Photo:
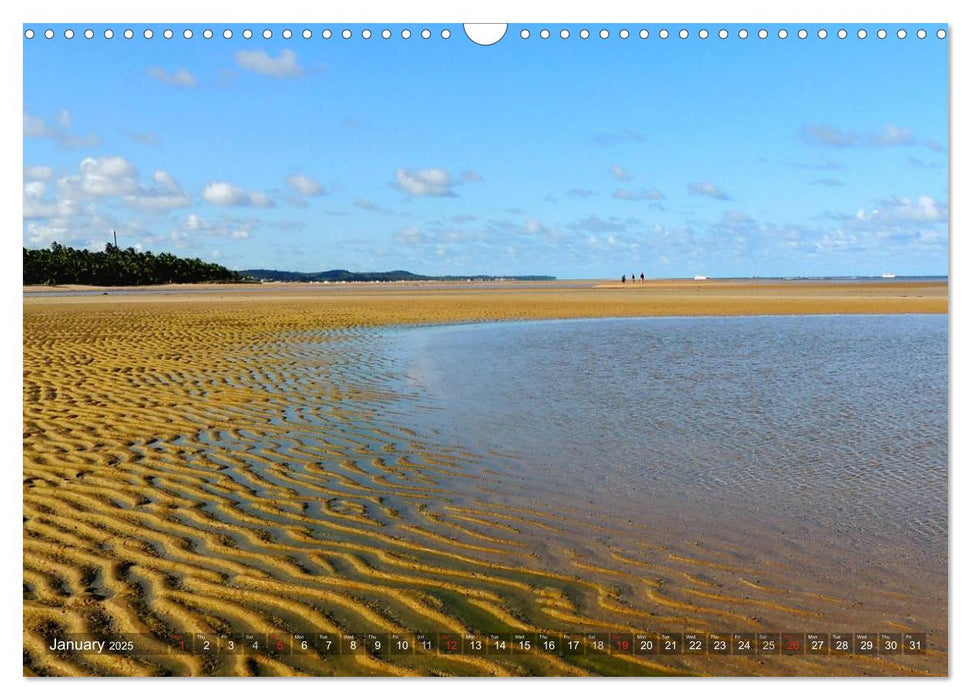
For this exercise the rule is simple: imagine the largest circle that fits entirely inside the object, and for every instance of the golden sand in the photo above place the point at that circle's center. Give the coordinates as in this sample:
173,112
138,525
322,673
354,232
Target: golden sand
182,473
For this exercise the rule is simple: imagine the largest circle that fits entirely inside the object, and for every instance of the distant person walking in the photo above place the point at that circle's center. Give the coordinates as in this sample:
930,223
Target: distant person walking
623,279
642,278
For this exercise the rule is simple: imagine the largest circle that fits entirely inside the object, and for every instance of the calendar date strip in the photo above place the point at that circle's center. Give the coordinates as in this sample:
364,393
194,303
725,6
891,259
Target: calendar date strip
390,644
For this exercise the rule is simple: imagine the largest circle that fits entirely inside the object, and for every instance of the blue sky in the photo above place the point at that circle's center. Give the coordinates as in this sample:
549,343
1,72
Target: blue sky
574,158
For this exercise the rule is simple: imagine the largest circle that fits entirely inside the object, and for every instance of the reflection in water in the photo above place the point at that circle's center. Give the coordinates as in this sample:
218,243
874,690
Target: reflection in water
830,422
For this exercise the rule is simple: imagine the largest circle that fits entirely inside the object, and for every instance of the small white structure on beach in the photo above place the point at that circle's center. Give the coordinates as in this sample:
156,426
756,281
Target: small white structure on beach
699,278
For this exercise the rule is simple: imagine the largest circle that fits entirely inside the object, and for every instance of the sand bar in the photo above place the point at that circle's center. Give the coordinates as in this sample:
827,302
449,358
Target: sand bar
181,472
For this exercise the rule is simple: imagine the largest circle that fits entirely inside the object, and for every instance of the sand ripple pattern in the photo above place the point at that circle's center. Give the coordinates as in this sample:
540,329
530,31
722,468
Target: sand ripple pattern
236,467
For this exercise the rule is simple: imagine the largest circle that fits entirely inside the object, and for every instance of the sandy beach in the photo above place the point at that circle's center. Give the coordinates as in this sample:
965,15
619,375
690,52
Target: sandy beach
216,459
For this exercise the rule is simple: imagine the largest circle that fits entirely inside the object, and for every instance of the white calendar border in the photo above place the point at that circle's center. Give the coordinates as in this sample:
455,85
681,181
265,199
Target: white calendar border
605,11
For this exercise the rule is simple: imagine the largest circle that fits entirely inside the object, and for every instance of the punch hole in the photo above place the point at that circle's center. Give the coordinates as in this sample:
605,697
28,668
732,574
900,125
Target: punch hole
426,34
247,33
287,34
267,34
524,34
129,34
584,33
821,34
346,34
207,34
803,33
326,34
841,33
663,33
405,33
743,33
109,33
644,34
306,33
722,33
941,34
683,34
921,33
148,34
68,33
227,34
604,34
29,34
446,33
763,34
564,33
783,33
187,34
901,33
861,33
168,34
544,34
881,34
89,34
489,34
49,34
366,34
624,33
702,33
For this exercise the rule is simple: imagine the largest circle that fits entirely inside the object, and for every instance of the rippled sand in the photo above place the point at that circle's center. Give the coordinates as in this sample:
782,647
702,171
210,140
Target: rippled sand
227,461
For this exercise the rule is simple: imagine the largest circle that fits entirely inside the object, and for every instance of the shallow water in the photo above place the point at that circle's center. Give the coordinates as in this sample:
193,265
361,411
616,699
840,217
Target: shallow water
832,425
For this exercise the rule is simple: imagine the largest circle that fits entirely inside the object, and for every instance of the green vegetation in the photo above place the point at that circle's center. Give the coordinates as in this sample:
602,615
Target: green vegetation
61,264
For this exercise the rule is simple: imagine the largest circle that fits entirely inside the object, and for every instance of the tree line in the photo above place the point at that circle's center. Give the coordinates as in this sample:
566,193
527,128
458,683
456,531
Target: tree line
115,266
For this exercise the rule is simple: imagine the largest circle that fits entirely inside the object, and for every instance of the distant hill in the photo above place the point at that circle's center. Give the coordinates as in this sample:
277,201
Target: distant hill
390,276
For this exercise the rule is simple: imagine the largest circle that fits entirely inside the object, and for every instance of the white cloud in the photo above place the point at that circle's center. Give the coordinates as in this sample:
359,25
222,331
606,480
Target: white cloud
902,210
34,189
38,172
431,182
146,138
889,135
408,236
641,195
194,222
260,199
618,172
113,176
108,176
227,227
68,210
534,227
580,193
57,129
284,66
68,222
166,194
37,128
36,206
178,78
226,194
707,189
305,185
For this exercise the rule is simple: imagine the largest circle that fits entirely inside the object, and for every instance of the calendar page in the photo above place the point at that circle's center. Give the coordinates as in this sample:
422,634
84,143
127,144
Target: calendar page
527,349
